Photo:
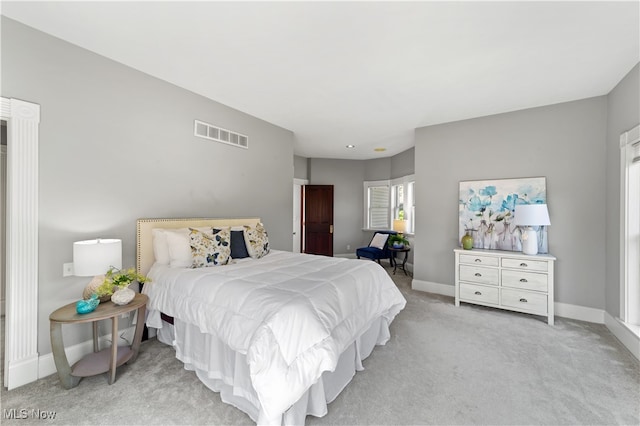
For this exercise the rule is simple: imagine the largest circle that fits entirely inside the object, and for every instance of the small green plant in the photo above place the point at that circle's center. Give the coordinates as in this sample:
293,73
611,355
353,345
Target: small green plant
117,279
397,239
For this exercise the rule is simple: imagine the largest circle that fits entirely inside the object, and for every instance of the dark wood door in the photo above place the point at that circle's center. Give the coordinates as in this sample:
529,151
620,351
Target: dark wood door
318,219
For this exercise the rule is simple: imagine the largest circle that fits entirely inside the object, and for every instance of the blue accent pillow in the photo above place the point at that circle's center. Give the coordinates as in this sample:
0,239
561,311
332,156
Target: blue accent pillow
238,247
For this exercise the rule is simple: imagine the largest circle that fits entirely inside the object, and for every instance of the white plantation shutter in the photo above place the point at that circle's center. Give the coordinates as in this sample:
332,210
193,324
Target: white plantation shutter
379,207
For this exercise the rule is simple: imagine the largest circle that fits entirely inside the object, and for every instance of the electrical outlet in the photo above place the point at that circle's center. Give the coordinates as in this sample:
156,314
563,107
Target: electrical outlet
348,246
67,269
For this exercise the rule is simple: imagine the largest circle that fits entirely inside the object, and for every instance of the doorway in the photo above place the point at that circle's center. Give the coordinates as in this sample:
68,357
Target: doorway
318,219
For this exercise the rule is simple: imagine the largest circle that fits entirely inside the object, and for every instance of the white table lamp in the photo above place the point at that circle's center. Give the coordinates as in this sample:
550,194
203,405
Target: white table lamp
400,226
94,258
528,216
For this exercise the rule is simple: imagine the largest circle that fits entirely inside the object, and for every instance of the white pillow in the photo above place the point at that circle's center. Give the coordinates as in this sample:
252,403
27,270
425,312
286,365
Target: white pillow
379,240
179,247
160,247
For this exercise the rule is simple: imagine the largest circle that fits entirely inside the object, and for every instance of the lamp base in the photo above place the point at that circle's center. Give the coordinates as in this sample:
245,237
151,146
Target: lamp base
93,286
529,241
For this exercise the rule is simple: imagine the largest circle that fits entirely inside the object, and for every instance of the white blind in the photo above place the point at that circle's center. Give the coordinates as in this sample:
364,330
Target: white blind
635,152
379,207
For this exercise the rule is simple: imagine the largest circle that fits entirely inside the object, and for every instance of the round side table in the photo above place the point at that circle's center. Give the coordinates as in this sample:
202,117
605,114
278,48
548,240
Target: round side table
100,361
395,252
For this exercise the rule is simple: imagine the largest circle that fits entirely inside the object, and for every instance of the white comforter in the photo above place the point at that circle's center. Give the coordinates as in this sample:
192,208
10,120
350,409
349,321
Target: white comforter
290,314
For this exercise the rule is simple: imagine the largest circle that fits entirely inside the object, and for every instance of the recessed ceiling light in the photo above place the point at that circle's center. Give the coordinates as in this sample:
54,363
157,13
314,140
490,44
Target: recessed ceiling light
379,149
351,146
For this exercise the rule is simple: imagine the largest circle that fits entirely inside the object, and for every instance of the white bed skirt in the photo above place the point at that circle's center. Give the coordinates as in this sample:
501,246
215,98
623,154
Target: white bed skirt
227,372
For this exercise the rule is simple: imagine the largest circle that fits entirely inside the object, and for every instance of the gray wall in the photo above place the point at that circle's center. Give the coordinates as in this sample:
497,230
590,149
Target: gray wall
403,164
117,145
300,167
377,169
623,113
565,143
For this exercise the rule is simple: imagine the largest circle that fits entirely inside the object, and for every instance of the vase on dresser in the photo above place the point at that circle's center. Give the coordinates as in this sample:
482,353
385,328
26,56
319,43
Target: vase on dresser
467,241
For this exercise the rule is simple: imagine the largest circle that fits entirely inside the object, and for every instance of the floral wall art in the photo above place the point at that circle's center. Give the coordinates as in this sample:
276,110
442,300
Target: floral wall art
486,209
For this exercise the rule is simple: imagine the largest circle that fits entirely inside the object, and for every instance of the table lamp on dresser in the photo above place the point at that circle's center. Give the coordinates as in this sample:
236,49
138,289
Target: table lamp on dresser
529,216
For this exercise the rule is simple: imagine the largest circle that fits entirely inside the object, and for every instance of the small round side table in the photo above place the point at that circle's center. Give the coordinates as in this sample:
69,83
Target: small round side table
100,361
395,252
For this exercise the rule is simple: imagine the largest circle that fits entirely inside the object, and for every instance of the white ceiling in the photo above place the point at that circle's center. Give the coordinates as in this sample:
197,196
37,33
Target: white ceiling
362,73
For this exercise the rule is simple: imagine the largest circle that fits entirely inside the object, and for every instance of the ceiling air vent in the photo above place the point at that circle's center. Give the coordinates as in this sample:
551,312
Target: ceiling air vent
209,131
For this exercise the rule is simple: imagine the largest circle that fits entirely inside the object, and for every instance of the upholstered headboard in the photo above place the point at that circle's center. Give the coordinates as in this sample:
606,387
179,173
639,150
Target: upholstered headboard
144,234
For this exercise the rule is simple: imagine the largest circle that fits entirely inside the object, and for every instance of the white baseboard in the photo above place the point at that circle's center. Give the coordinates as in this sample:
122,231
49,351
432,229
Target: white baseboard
582,313
431,287
564,310
629,339
47,366
22,372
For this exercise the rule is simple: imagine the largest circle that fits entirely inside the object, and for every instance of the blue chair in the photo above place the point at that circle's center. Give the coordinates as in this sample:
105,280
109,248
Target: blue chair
377,248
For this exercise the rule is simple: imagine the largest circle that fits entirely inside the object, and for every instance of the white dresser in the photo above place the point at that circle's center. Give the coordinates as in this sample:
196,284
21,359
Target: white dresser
506,280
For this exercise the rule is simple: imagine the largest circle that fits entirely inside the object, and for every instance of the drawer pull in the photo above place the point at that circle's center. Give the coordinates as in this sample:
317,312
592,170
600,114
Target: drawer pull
478,293
478,260
523,280
523,300
524,265
478,274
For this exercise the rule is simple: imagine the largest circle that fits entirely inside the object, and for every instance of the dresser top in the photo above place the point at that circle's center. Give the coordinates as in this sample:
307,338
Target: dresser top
514,254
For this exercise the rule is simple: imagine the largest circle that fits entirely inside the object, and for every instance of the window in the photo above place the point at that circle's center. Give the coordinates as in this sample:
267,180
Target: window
377,204
389,200
397,201
411,207
630,229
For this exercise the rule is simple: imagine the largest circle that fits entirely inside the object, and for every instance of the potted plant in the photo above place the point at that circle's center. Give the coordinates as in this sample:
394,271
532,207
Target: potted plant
397,241
116,285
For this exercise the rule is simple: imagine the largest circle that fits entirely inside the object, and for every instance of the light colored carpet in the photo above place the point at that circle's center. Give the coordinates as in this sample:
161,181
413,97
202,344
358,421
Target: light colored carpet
443,365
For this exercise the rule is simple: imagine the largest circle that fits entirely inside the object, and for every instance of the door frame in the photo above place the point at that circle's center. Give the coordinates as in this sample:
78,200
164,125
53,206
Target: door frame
21,317
297,225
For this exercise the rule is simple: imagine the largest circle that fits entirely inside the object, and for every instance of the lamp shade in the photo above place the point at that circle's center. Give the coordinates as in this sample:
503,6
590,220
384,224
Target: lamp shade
400,225
531,215
95,257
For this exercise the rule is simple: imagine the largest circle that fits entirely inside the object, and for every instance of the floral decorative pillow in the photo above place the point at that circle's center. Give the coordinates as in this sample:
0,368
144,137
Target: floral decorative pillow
257,240
210,249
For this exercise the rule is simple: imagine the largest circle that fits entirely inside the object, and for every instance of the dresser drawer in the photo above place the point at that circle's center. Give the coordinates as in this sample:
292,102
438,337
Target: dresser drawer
479,260
525,280
479,293
531,265
532,302
477,274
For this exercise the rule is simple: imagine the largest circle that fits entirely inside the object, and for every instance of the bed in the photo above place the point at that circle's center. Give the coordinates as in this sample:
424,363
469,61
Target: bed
279,335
